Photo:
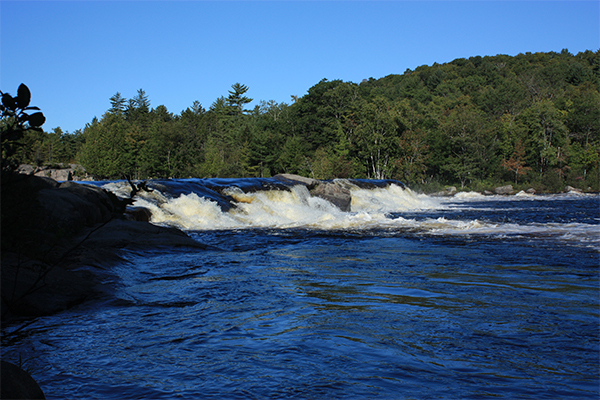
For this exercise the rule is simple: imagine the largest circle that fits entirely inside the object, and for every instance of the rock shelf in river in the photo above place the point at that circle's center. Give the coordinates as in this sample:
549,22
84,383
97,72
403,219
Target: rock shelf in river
59,240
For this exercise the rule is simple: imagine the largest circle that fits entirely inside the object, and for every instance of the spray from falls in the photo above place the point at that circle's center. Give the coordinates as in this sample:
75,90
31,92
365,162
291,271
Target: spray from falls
199,205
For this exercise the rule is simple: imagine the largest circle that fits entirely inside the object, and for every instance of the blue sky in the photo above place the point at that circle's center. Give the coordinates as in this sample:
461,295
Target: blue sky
74,55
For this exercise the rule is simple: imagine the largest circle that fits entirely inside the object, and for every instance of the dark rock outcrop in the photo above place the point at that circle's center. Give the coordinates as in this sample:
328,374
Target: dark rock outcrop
138,214
72,206
58,242
18,384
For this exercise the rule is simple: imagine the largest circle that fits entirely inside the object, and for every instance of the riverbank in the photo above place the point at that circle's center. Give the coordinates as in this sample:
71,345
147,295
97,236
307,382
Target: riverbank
76,172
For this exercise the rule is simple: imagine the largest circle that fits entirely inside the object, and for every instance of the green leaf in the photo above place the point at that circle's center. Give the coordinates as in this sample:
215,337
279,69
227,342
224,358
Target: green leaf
23,96
36,119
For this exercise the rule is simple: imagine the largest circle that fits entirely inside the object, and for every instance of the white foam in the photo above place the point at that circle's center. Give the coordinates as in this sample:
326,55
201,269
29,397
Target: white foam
468,195
278,208
523,193
390,199
370,208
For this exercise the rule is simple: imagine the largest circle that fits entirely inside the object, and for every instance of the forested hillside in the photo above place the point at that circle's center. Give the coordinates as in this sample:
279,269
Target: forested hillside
531,119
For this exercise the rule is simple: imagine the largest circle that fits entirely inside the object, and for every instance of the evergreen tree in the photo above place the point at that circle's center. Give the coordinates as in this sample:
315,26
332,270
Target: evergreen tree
117,104
236,99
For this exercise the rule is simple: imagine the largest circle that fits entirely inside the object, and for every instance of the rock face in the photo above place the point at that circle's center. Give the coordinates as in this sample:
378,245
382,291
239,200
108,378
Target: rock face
59,241
18,384
72,206
335,194
504,190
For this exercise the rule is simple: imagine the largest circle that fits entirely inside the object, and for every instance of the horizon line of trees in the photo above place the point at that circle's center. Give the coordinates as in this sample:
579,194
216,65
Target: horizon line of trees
531,119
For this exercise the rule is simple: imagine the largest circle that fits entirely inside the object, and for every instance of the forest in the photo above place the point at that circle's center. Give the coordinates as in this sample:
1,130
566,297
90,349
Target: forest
530,120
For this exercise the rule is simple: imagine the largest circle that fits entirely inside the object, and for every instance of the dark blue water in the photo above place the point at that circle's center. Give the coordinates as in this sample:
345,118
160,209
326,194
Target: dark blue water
472,298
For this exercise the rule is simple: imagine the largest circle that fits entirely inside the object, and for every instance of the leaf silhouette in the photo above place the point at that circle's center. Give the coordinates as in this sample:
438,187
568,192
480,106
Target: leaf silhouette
9,102
36,119
23,96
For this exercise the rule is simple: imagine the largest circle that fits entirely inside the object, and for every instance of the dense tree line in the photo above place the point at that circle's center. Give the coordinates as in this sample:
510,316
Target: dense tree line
531,119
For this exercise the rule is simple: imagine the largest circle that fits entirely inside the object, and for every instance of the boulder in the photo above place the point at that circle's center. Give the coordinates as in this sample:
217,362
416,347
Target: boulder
18,384
333,193
308,182
530,191
62,175
56,174
572,189
504,190
26,169
138,214
447,192
450,190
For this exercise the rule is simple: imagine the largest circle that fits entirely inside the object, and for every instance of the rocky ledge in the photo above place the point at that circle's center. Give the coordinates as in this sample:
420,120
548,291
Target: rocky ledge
59,240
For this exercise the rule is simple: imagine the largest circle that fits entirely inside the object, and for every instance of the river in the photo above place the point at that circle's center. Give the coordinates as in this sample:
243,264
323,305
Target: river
404,297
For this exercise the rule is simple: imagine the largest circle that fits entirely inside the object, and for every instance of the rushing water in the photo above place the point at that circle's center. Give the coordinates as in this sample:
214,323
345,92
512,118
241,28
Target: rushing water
404,297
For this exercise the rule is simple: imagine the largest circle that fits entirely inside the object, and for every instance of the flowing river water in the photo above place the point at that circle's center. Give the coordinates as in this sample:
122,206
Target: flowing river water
404,297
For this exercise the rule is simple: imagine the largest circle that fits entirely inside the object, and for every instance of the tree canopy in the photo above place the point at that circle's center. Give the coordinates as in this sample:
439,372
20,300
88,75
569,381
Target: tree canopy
531,119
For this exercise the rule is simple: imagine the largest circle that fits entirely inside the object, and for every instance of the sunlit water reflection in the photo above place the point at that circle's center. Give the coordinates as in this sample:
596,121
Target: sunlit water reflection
399,310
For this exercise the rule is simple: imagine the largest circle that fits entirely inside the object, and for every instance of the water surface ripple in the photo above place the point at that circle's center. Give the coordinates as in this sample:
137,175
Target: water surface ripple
387,312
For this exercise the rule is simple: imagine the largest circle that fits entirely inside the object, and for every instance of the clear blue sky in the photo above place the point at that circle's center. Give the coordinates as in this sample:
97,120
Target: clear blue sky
74,55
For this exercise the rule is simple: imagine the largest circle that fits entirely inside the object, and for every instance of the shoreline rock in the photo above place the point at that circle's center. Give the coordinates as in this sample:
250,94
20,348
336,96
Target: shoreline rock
60,241
504,190
449,191
58,172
